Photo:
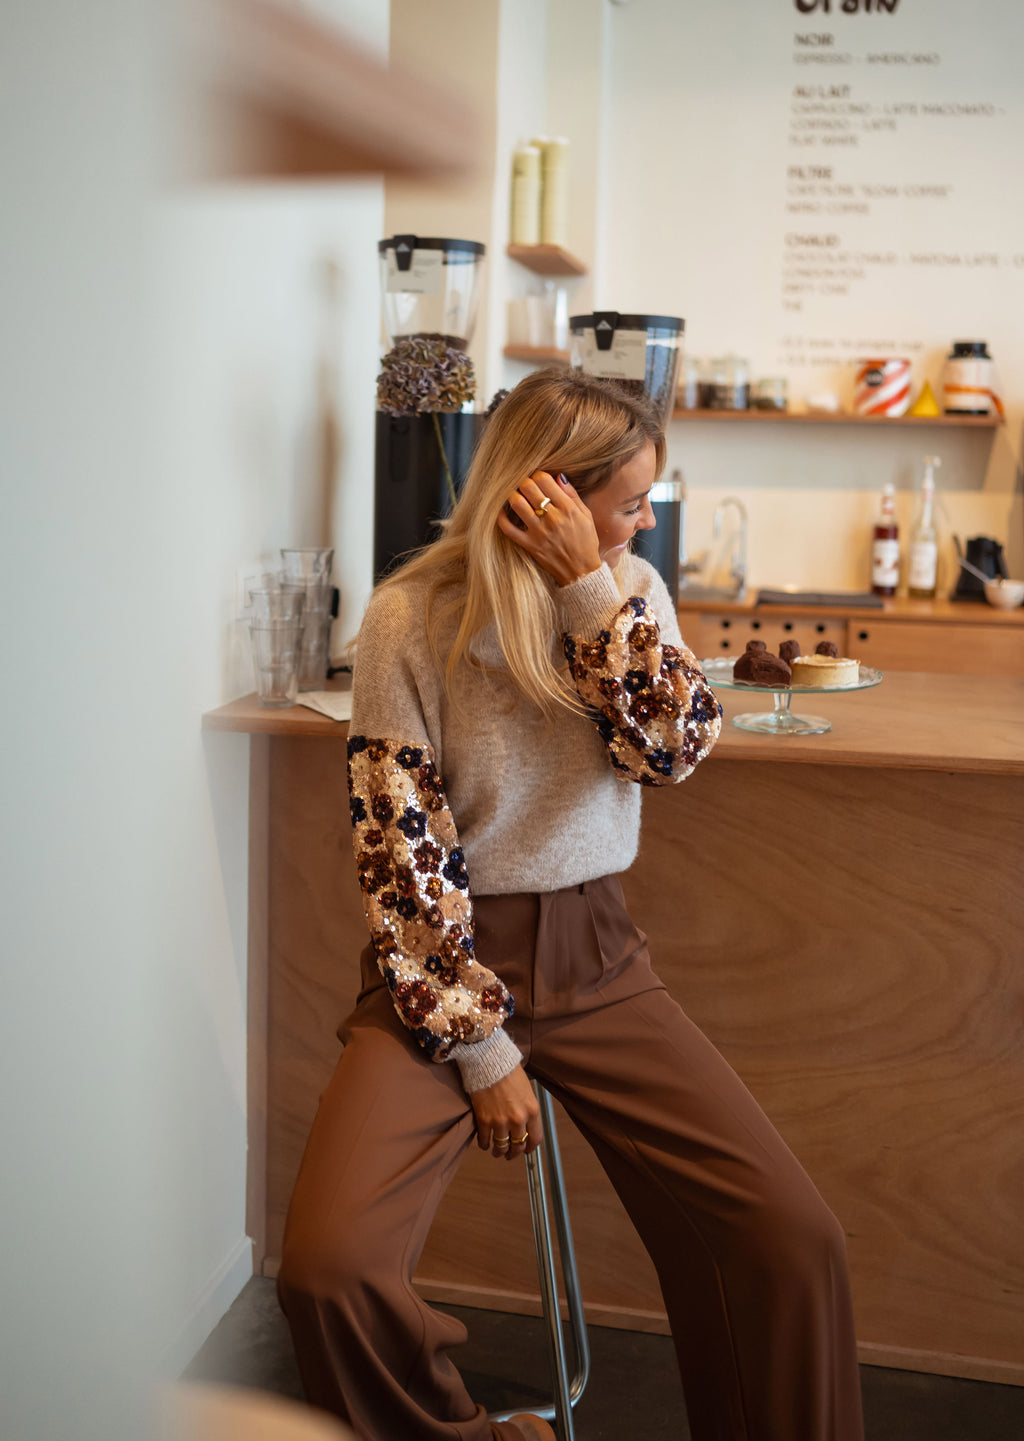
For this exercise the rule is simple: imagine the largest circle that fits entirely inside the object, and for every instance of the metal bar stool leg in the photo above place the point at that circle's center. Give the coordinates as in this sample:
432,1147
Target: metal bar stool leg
544,1172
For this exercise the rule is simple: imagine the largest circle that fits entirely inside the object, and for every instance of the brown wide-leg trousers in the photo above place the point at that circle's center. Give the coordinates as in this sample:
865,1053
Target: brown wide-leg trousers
751,1262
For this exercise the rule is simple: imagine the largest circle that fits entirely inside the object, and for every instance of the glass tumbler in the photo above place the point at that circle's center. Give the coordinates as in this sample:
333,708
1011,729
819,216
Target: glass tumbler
285,602
308,563
315,657
276,654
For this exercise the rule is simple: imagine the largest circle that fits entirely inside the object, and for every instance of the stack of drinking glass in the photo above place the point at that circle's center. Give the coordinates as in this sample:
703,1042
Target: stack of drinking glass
291,626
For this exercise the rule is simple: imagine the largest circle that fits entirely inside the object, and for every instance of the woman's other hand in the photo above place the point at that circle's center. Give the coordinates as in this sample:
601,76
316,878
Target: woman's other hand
508,1117
557,528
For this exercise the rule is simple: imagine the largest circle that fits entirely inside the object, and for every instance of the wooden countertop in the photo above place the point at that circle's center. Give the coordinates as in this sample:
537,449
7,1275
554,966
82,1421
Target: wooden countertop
909,722
900,608
912,721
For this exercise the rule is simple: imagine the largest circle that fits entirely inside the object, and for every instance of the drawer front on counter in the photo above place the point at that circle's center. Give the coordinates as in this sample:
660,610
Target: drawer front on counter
943,649
712,635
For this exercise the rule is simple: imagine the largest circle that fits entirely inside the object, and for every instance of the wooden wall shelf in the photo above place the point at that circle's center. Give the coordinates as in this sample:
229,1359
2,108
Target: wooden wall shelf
776,417
536,354
546,259
279,94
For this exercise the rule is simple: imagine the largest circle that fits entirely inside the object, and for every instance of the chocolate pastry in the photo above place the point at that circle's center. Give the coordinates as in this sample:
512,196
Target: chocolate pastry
789,650
826,647
770,670
757,664
741,670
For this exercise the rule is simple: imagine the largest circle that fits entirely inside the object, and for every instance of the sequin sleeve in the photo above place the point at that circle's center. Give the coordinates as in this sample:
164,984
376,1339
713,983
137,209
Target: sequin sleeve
653,707
416,896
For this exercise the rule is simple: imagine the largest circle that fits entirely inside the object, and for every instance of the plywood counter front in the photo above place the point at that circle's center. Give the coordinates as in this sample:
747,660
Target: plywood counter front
842,914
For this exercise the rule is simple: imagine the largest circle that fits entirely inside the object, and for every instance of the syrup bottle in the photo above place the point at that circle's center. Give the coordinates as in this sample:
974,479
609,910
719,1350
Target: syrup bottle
924,551
885,548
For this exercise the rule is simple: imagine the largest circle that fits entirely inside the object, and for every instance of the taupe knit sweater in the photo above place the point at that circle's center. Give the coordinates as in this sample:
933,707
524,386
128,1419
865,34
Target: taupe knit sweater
476,792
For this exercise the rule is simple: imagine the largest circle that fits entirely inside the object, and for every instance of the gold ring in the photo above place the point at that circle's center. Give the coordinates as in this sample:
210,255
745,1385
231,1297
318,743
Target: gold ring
519,1140
502,1143
539,510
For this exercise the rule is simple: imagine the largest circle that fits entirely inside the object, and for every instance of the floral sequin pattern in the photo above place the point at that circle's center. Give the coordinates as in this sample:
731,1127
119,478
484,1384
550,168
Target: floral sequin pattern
651,703
415,886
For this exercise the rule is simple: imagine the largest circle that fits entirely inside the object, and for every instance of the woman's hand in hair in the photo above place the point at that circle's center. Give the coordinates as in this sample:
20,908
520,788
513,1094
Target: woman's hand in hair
562,538
507,1117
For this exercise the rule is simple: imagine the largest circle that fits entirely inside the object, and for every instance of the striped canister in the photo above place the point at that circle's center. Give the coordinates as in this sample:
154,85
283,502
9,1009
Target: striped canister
883,387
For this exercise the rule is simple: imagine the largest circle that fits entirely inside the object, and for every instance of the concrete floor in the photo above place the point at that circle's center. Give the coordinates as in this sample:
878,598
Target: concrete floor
634,1392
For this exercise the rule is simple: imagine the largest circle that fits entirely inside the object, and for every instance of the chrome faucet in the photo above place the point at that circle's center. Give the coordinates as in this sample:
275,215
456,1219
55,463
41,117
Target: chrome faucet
738,573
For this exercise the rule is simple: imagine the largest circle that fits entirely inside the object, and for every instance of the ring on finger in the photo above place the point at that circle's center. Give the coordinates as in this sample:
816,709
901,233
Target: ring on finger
519,1140
502,1143
539,510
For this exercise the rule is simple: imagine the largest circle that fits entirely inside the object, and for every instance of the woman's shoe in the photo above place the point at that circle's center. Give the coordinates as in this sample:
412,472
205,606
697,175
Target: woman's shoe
534,1428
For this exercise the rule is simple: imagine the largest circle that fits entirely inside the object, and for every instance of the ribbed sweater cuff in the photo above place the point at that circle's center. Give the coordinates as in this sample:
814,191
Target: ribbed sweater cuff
589,604
485,1063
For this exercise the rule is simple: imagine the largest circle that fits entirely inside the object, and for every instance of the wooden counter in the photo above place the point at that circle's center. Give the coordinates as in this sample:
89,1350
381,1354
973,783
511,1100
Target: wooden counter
851,907
910,721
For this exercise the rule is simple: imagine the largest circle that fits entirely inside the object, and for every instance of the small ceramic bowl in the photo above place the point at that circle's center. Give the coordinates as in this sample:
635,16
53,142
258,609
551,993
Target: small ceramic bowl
1006,594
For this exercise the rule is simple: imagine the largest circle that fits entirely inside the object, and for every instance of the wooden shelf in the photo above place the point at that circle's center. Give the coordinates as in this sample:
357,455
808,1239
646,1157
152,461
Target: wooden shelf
274,93
546,259
776,417
536,354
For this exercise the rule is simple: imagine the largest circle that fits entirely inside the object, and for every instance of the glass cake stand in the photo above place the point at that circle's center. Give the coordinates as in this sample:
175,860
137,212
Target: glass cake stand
781,721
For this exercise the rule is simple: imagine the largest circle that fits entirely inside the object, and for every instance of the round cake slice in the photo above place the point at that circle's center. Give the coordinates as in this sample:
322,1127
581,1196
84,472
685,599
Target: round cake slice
825,670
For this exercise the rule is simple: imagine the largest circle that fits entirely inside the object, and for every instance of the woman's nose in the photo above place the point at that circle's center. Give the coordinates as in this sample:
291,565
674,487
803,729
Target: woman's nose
646,520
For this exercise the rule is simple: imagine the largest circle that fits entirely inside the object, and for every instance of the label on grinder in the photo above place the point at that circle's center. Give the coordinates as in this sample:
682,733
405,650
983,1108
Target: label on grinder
423,277
626,360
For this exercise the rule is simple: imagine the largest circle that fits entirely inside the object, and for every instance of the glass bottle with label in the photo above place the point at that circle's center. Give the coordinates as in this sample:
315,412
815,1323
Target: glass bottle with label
924,550
885,548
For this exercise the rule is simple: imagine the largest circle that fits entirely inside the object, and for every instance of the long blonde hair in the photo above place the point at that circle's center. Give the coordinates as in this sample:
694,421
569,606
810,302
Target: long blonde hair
556,420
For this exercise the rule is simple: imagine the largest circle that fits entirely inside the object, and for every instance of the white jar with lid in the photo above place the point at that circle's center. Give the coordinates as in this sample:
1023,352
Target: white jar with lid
967,380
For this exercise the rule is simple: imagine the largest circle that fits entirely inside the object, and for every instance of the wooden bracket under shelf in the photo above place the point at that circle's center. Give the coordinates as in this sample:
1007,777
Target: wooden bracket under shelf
546,259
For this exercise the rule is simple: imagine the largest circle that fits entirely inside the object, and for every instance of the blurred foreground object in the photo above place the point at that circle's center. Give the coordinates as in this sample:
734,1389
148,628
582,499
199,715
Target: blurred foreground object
224,1413
266,92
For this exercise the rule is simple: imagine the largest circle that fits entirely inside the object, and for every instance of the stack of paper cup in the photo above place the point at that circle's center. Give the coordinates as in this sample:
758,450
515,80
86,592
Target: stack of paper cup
524,227
554,205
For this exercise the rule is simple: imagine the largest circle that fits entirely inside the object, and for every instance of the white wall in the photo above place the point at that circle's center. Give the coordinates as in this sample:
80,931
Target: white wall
698,105
164,356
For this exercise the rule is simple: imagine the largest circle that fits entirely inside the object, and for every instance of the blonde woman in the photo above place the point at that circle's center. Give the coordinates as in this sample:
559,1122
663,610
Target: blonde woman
516,684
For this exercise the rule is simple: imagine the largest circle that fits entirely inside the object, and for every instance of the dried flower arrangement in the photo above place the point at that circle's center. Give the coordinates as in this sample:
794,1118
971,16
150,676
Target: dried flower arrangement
421,375
496,399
